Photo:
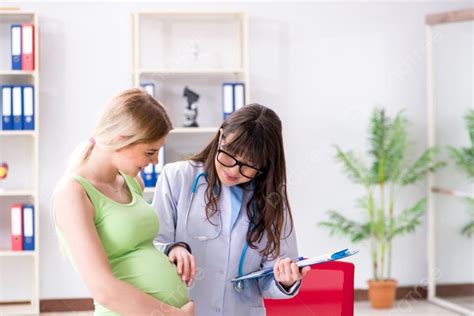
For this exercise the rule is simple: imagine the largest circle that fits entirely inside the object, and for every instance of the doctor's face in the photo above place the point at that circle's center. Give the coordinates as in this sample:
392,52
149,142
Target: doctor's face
232,169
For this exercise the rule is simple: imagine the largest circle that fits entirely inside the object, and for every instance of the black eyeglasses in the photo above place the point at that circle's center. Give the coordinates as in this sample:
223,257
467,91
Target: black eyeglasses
227,160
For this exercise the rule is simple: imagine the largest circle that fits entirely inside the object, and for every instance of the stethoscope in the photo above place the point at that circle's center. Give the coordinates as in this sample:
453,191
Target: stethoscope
239,285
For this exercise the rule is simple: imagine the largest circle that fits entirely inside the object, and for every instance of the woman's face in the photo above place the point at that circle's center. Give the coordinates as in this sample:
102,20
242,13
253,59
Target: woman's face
134,158
231,176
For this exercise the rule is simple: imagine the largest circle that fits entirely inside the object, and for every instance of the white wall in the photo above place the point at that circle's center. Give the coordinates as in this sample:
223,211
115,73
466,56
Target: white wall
321,66
453,82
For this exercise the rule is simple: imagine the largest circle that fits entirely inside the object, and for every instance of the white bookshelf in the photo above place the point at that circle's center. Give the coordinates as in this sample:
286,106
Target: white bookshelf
187,72
17,73
18,133
149,190
20,150
200,50
194,130
26,193
9,253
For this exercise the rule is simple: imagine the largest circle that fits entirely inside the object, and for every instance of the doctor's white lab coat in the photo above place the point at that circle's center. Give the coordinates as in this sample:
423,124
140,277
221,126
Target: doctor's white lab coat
217,260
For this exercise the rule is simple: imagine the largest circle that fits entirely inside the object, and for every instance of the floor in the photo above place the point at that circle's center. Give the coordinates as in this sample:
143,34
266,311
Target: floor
402,308
465,301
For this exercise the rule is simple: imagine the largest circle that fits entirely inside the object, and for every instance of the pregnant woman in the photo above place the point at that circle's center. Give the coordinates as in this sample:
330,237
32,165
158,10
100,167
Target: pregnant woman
105,225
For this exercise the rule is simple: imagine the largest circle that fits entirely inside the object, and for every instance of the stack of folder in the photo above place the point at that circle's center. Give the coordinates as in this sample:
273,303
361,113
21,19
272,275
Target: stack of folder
23,46
233,97
22,227
17,111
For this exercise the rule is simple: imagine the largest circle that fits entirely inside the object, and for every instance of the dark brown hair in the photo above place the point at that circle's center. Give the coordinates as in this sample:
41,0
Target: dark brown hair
256,137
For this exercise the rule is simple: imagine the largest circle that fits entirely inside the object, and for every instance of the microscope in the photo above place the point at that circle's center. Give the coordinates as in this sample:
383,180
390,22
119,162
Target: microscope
191,111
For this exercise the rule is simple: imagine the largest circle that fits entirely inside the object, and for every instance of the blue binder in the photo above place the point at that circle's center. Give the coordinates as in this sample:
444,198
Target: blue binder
150,88
6,108
28,227
16,46
233,97
28,107
227,99
239,95
149,176
17,107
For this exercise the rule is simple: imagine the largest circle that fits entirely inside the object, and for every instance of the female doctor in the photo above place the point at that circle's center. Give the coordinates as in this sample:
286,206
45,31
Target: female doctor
229,205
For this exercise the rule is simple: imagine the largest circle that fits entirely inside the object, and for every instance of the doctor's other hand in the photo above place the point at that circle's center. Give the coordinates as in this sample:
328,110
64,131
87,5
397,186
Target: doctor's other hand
287,273
185,264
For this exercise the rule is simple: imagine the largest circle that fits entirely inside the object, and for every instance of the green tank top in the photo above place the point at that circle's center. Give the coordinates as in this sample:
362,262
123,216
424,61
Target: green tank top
127,232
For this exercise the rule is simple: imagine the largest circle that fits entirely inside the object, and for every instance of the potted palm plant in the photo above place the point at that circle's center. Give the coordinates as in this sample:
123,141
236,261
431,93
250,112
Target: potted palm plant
389,170
464,159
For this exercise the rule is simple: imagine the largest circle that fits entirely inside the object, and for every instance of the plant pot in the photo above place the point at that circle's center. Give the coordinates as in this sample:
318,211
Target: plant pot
382,293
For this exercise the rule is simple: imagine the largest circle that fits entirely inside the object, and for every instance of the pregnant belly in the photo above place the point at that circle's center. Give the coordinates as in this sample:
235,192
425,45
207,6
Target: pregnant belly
150,271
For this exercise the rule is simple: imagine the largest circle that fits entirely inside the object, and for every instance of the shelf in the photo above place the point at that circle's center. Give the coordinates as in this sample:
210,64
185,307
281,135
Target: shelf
175,72
17,73
212,14
15,16
149,190
10,253
18,133
16,12
17,193
21,308
194,130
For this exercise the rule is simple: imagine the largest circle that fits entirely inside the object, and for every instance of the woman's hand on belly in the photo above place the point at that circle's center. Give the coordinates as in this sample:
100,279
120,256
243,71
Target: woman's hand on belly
185,264
188,309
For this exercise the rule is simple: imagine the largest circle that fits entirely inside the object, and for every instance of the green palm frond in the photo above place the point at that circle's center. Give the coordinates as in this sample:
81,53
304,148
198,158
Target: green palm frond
420,168
468,229
469,118
353,167
407,220
464,159
397,147
379,127
388,149
340,225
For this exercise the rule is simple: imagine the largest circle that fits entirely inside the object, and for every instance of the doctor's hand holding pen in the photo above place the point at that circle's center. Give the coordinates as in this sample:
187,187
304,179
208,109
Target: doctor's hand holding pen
185,263
287,272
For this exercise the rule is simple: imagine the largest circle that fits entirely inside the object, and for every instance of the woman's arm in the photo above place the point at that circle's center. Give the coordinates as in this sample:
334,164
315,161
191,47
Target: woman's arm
74,214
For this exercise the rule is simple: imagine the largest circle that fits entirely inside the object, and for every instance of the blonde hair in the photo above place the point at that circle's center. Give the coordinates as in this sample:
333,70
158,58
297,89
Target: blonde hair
134,115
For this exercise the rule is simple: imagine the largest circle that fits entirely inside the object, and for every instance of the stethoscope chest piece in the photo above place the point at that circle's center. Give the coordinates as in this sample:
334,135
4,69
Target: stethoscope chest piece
239,286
